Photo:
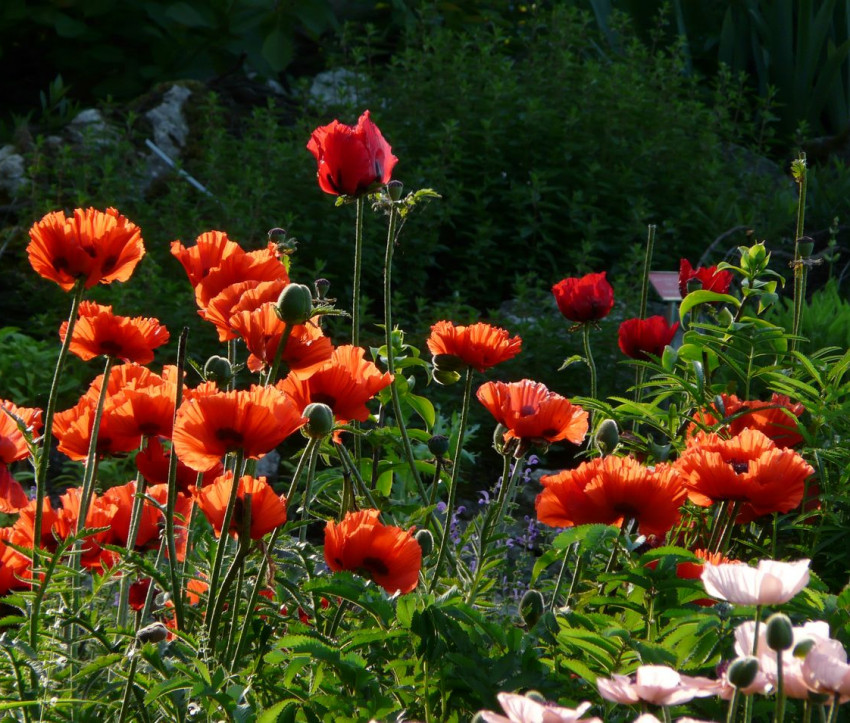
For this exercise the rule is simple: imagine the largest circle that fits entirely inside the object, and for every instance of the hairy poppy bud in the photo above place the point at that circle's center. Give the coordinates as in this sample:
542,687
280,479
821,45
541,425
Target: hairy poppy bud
153,633
394,189
607,436
531,607
499,438
742,672
320,420
425,540
218,370
780,633
322,286
445,378
438,445
295,304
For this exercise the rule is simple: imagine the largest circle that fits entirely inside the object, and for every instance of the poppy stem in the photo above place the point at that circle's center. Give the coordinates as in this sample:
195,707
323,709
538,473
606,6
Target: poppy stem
730,525
358,254
392,233
221,594
588,357
647,264
801,176
278,355
128,688
308,487
132,536
717,527
91,459
452,499
348,463
756,631
171,499
560,581
43,460
779,714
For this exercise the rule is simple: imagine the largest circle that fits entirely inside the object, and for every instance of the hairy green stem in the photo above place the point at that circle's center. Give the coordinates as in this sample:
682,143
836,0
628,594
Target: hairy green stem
588,356
358,261
453,481
799,262
647,263
308,490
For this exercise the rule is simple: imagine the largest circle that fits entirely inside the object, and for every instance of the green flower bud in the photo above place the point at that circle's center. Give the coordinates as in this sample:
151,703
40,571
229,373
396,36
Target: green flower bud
607,436
801,649
537,696
499,438
425,540
153,633
448,363
295,304
218,370
394,189
322,286
531,607
320,420
438,445
446,378
780,632
742,672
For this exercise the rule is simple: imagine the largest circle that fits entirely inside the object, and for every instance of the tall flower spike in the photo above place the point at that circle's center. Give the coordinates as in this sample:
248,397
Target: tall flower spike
351,160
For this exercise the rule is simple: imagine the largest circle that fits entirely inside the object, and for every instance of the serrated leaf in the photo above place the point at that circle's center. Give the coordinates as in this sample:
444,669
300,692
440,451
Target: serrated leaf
569,361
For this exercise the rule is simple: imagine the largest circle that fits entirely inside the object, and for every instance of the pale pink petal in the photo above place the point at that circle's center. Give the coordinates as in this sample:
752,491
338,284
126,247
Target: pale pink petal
522,709
646,718
825,668
782,580
617,689
772,583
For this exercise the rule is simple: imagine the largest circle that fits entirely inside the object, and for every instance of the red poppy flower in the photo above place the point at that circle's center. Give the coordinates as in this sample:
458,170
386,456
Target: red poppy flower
147,412
210,249
748,468
775,418
610,490
268,510
708,276
352,160
262,329
261,265
100,332
139,593
12,495
152,463
480,346
99,516
13,446
13,565
531,412
361,543
99,247
255,421
641,337
589,298
73,428
244,296
345,384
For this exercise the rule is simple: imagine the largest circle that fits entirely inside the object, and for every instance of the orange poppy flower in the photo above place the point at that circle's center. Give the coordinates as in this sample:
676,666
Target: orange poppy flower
261,265
152,463
99,515
776,418
480,346
12,495
210,249
255,421
146,411
361,543
268,510
99,247
345,384
748,468
262,329
73,428
100,332
13,446
610,490
531,412
13,565
23,531
244,296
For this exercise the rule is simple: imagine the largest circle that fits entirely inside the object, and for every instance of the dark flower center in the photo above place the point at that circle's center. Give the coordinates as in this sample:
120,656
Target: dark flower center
322,398
375,565
527,410
229,436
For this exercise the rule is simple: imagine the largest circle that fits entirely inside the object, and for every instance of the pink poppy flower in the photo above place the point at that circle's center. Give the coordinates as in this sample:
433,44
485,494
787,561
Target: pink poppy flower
825,669
771,583
656,684
522,709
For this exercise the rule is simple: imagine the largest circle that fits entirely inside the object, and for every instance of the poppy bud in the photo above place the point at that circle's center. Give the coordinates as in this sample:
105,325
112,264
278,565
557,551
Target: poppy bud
801,649
438,445
537,696
425,540
153,633
448,363
499,438
607,437
218,370
780,633
742,672
394,189
445,378
320,420
277,234
531,607
295,304
322,286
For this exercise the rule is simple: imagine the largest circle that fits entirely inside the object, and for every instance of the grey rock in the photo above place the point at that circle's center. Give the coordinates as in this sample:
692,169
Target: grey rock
169,127
12,170
338,87
89,125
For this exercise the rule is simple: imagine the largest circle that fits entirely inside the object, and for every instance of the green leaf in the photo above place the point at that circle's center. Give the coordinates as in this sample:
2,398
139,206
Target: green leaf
423,408
704,297
277,50
188,15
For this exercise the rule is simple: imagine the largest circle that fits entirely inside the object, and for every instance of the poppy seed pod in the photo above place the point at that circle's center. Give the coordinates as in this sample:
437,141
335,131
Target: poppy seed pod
742,672
425,540
295,304
607,437
218,370
438,445
153,633
322,287
531,607
780,632
394,190
320,420
801,649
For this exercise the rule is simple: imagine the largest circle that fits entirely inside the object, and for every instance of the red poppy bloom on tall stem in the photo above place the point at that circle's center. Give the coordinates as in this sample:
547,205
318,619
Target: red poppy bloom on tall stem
352,160
210,249
479,346
638,338
13,446
361,543
267,509
585,298
98,247
709,278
